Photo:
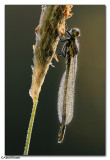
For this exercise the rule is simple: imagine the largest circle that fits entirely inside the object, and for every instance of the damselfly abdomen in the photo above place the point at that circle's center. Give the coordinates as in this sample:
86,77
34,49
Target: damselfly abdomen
70,51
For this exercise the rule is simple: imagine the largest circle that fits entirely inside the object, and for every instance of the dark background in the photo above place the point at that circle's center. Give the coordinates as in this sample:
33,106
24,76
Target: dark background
85,135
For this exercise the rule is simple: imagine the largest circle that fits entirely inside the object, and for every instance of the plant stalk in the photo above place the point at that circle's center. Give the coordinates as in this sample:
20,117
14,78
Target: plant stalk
27,144
51,26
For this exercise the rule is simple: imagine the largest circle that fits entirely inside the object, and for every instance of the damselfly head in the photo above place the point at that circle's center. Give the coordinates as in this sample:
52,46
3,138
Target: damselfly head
75,32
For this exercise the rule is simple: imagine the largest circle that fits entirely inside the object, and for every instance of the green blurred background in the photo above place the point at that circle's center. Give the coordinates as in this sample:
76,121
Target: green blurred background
85,135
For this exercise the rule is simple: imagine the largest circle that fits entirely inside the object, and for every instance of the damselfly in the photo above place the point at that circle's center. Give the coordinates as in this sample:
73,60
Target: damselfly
70,51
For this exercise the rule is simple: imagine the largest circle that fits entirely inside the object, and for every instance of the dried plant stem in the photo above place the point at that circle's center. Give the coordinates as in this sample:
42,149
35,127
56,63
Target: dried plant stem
51,25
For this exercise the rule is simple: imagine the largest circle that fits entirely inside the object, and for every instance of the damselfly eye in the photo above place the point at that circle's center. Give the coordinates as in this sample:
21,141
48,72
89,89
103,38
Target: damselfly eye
77,33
